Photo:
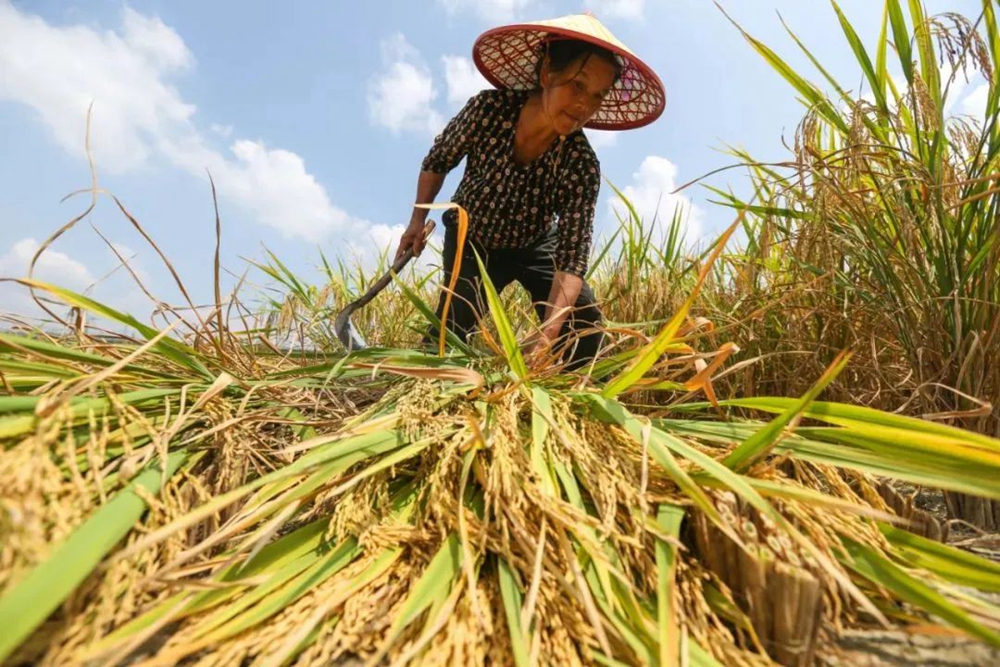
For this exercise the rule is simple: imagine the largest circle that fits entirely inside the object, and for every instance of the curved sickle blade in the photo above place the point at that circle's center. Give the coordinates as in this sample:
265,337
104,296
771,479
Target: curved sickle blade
347,334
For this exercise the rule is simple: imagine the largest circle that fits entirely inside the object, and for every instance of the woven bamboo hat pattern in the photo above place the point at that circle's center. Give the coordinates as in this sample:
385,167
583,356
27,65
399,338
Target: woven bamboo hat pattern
508,57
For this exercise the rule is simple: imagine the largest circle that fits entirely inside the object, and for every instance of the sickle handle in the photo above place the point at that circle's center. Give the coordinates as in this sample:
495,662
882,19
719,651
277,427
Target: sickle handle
397,266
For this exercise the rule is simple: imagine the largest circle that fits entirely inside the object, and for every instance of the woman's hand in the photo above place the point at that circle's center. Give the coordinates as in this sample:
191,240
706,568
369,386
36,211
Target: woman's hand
537,349
413,238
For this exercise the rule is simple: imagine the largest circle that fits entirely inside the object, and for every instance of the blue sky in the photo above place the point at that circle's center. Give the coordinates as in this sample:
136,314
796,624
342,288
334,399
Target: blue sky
313,118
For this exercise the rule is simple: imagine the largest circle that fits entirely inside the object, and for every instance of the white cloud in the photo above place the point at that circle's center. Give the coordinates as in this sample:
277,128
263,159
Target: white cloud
60,269
224,131
379,239
400,97
463,79
149,37
622,9
601,138
58,71
974,103
52,266
650,194
491,10
139,116
957,82
273,183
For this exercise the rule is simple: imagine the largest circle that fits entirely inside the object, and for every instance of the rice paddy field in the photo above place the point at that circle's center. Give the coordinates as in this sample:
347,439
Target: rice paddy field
787,452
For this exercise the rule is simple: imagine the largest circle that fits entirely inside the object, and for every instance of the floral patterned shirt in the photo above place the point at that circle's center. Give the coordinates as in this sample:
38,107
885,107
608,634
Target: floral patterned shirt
512,205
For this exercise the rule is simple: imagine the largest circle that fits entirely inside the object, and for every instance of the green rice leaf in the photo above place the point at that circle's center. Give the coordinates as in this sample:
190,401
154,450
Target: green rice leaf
952,564
504,328
853,416
759,444
178,352
929,69
811,95
614,412
659,441
877,85
433,585
511,595
699,657
541,417
334,449
881,54
297,640
901,38
272,558
29,602
877,569
431,317
669,518
649,355
55,351
285,587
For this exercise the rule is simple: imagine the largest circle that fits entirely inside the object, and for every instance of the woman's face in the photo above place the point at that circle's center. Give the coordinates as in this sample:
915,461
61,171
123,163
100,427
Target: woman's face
573,95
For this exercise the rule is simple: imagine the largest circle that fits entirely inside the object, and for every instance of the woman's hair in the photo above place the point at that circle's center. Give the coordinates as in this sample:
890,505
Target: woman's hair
563,52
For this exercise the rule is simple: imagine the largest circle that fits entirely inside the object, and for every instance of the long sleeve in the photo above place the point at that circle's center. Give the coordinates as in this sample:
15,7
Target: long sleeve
455,140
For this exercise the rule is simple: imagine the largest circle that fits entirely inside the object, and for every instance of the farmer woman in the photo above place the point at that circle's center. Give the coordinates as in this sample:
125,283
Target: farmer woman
531,177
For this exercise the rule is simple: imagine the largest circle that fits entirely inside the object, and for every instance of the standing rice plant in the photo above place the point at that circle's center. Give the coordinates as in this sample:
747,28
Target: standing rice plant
650,252
887,221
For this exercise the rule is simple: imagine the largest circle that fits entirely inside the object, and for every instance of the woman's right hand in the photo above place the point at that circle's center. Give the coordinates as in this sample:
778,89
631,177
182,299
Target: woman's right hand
413,238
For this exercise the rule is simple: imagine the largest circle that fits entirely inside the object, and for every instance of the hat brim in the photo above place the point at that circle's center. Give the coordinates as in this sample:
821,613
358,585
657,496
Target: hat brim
508,57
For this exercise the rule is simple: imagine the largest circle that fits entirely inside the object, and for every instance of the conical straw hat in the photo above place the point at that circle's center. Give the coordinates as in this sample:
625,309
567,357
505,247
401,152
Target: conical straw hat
508,57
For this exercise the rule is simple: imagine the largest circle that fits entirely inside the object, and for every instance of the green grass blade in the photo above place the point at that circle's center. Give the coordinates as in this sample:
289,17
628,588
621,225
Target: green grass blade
511,595
541,417
901,38
895,453
174,350
272,558
81,406
669,518
699,657
431,317
812,96
881,53
614,412
877,86
650,354
841,414
44,348
759,444
301,634
230,621
877,569
433,584
368,444
925,48
739,484
599,257
29,602
504,328
952,564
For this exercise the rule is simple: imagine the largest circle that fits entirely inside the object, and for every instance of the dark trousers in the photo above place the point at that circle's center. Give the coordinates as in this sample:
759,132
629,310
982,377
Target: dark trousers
534,268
